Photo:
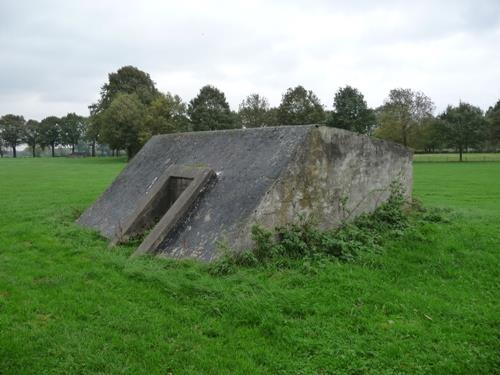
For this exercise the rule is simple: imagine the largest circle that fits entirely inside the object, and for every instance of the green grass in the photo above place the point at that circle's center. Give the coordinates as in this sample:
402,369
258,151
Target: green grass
455,157
427,305
472,188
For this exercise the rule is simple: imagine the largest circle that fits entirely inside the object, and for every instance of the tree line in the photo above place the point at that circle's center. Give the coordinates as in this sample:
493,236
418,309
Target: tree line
48,133
131,110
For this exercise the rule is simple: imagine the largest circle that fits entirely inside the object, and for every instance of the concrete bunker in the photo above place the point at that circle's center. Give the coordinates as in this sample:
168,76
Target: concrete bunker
192,191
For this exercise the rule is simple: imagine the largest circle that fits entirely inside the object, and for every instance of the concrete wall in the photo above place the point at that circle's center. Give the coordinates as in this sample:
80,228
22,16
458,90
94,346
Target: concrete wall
334,177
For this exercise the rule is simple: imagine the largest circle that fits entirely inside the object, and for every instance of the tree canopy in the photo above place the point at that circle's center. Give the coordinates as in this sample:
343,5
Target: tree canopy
128,80
254,111
12,130
72,127
493,118
131,109
124,124
464,126
131,91
166,114
403,110
300,107
32,135
351,111
209,110
50,132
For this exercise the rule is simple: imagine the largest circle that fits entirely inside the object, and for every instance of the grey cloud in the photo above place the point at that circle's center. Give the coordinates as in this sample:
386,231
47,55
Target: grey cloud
55,55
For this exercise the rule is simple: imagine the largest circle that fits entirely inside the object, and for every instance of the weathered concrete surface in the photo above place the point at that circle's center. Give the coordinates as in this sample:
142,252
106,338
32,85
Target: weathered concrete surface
164,204
201,179
334,176
265,175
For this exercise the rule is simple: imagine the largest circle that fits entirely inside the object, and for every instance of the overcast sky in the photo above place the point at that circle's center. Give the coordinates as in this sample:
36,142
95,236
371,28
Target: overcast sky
55,55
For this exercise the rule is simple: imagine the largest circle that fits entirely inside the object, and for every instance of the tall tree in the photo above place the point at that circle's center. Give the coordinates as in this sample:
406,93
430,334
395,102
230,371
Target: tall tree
430,136
123,124
351,111
32,135
50,132
404,110
464,126
493,118
141,91
12,129
126,80
72,129
254,111
166,114
209,110
93,131
299,107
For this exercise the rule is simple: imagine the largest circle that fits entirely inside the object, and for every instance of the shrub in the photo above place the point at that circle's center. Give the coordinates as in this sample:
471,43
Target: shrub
303,240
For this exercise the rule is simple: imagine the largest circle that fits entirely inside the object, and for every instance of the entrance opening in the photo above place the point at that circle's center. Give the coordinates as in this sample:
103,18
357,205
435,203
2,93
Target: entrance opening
175,187
166,200
167,196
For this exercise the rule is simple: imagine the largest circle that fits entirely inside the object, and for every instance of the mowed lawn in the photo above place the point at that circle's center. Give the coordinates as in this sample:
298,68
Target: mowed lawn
428,304
454,157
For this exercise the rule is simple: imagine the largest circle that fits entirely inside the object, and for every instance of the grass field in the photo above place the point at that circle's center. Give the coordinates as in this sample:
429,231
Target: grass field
455,157
69,305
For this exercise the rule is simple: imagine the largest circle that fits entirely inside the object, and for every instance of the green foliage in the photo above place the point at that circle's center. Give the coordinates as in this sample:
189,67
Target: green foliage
209,110
32,135
304,240
254,112
166,114
425,304
351,111
273,116
126,80
123,124
464,126
12,130
133,91
50,132
72,127
429,136
493,119
300,107
402,112
93,131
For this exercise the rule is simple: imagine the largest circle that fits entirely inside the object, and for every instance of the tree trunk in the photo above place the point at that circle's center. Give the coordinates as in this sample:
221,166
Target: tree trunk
113,152
129,153
52,146
33,148
73,149
460,151
93,149
14,154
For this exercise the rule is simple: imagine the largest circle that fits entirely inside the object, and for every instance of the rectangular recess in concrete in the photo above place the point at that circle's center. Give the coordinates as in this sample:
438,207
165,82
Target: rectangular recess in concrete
160,196
179,187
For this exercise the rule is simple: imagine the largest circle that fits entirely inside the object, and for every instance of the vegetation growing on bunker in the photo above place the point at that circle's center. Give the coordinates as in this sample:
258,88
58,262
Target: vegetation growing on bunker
303,241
